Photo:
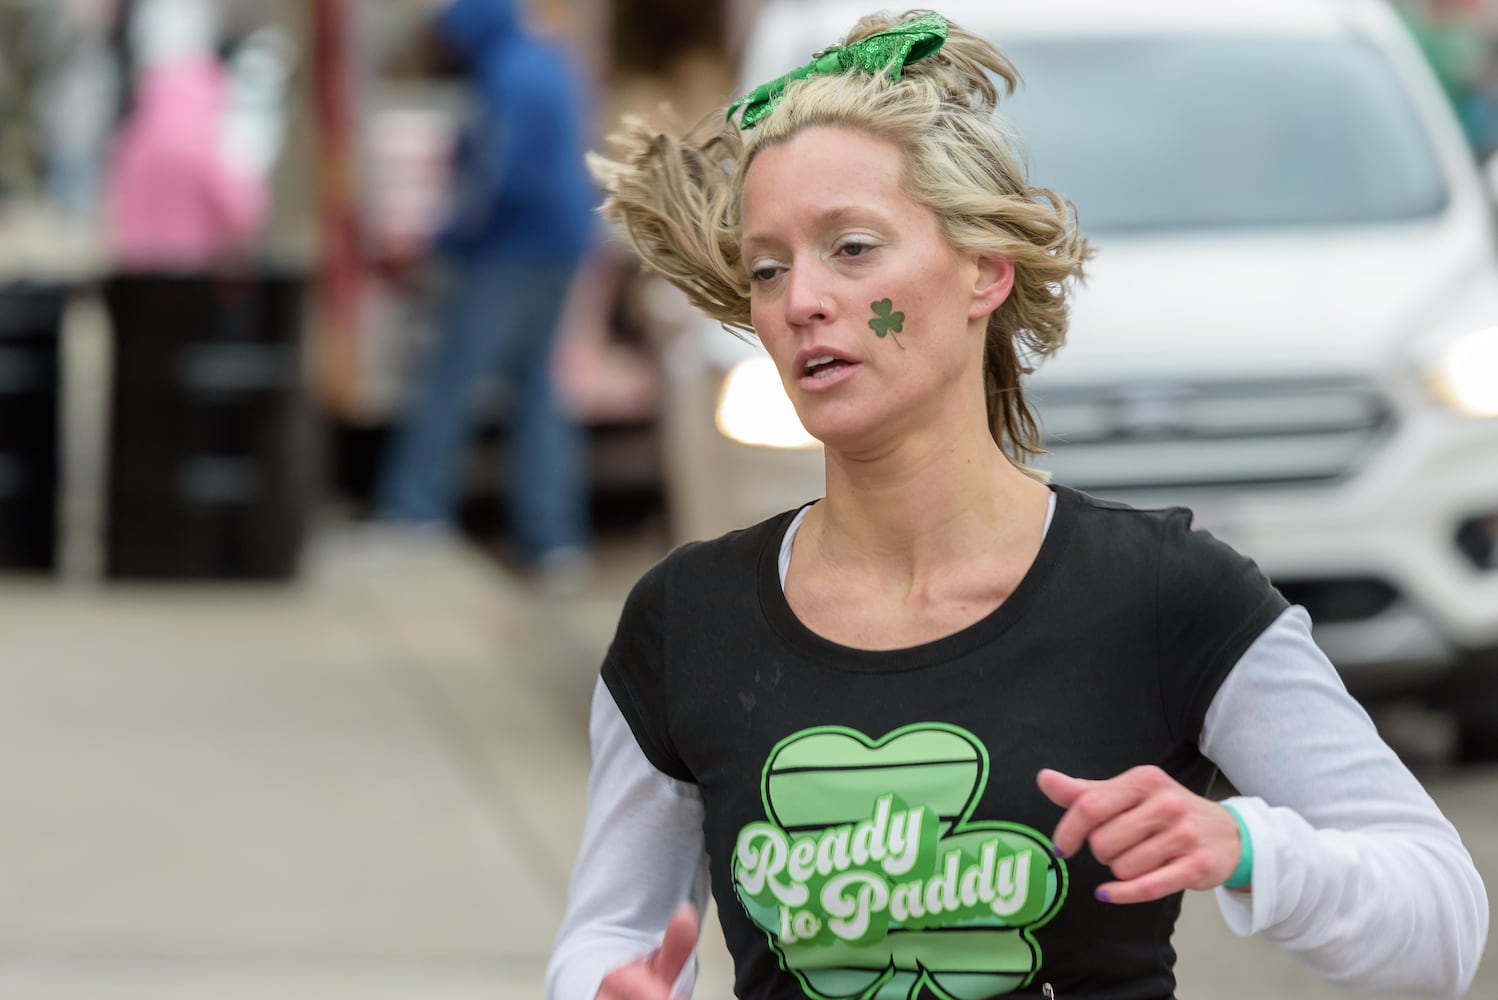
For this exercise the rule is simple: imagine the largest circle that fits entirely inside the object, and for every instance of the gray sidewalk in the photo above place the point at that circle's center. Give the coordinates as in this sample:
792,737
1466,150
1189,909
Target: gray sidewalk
368,785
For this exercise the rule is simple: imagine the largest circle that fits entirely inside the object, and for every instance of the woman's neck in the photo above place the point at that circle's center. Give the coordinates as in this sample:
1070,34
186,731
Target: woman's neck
921,510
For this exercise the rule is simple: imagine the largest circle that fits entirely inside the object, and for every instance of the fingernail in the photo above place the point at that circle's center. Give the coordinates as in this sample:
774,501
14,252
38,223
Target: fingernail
1101,895
1057,851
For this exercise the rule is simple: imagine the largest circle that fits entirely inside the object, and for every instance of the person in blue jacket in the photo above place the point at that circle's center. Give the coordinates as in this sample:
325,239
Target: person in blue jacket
519,226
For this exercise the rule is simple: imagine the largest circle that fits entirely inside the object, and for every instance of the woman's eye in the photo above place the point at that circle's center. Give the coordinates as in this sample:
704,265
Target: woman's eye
855,248
762,274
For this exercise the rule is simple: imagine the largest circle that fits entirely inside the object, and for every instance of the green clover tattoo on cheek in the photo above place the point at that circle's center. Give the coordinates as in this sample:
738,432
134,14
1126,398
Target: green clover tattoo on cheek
886,321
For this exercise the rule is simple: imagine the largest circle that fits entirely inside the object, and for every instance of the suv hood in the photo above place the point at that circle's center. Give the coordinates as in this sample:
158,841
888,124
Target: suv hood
1262,305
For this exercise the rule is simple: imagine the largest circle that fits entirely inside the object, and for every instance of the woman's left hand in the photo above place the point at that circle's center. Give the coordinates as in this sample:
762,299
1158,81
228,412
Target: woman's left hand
1155,835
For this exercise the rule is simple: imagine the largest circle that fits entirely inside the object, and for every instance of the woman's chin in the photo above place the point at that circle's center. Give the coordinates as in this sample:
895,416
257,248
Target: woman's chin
850,438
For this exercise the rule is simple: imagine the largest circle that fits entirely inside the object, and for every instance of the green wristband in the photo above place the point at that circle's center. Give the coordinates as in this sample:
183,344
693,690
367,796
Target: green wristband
1243,875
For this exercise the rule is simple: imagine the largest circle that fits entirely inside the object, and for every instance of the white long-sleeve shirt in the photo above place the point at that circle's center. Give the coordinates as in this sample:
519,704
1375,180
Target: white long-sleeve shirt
1356,872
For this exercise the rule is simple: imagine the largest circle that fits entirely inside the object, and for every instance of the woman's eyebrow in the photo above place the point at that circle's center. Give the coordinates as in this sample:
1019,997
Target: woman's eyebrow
834,216
753,242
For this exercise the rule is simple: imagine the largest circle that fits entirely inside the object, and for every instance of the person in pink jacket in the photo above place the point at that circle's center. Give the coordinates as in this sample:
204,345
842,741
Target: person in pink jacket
175,199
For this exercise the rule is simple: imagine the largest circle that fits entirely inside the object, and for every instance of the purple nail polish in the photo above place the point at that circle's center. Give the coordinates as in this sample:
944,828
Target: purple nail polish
1057,851
1101,895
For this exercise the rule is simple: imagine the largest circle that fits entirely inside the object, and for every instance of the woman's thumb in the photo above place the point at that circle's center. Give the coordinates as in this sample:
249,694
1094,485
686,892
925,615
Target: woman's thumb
677,946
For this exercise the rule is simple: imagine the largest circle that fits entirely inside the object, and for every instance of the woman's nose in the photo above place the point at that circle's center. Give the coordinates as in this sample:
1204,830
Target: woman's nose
806,304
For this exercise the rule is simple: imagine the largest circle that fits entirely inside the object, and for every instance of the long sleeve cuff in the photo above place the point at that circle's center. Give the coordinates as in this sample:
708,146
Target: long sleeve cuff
1326,895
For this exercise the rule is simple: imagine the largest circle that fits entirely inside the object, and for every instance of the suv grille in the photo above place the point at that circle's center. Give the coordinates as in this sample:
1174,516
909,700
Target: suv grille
1352,599
1159,435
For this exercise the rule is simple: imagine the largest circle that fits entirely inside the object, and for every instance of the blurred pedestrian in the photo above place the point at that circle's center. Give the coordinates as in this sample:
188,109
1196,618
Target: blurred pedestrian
75,93
519,225
950,730
1448,32
178,198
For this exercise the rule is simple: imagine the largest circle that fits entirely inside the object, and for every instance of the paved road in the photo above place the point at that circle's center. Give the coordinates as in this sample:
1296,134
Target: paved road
364,786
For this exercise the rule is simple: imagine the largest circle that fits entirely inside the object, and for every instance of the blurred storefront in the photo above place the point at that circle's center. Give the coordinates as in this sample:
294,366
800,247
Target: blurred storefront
123,122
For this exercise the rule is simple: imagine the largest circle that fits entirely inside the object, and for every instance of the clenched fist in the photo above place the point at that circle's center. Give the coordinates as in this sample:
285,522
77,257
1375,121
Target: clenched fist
1156,836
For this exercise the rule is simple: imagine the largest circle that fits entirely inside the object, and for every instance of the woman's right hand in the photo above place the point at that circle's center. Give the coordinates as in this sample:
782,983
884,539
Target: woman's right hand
652,977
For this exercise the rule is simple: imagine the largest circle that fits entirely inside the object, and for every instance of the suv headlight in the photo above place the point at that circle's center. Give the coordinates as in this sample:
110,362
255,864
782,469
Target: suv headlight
1465,375
753,408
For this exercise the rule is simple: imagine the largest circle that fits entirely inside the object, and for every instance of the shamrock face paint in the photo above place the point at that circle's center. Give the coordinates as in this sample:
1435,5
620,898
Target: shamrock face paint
871,880
886,321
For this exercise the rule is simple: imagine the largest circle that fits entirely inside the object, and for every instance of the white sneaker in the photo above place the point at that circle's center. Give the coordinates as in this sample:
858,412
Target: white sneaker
564,571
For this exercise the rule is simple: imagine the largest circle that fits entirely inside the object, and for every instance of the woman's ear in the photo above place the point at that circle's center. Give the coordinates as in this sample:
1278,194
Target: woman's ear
993,281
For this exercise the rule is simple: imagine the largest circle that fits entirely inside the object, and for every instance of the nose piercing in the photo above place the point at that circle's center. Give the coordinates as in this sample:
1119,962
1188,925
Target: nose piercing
820,307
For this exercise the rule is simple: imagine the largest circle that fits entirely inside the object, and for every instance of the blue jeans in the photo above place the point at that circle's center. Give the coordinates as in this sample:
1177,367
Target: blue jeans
494,320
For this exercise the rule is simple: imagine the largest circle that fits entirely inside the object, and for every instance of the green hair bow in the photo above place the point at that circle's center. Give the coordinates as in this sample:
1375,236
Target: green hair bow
906,42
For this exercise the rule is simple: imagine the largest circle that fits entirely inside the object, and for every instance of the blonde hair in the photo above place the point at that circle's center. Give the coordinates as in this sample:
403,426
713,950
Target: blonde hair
678,199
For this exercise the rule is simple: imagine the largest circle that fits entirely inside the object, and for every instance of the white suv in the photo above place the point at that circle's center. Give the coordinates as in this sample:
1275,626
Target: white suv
1291,325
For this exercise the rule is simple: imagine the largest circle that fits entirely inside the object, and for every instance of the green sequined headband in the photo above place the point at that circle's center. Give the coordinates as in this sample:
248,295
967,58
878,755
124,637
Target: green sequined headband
890,50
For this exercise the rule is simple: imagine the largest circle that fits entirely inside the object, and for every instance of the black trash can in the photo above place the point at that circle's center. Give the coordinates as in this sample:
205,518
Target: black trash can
30,338
210,460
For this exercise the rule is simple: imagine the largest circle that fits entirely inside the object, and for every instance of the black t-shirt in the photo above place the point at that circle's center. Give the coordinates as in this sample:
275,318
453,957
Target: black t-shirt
872,819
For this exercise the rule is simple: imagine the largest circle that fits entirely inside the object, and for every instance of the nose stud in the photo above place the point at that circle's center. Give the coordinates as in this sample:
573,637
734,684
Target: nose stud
821,308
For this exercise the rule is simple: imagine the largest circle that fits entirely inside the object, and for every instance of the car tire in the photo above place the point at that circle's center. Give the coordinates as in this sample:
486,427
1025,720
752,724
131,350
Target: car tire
1472,699
1477,737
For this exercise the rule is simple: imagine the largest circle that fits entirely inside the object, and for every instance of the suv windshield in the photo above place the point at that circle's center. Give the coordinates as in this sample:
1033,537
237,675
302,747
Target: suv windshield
1178,133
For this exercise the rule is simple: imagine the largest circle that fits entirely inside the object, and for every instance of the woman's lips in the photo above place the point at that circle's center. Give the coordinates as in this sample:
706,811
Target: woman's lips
824,376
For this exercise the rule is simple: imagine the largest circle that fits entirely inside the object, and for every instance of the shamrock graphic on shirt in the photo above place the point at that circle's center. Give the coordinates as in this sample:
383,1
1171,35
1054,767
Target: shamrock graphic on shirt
872,881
